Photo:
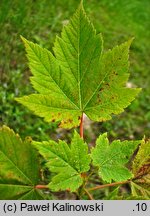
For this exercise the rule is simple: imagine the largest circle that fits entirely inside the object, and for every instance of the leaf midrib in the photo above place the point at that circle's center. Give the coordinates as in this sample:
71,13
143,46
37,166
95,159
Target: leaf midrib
86,105
52,77
61,159
113,156
26,177
79,67
17,185
57,108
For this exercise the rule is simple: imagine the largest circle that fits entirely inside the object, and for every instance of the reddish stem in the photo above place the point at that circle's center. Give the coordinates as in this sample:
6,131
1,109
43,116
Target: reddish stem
81,127
88,193
107,185
41,187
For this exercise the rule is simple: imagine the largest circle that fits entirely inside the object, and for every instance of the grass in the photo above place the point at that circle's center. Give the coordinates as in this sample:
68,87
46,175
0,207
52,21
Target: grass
41,21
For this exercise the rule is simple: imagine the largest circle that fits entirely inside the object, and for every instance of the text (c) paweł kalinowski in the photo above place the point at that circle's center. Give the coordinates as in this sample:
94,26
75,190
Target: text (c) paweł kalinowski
61,207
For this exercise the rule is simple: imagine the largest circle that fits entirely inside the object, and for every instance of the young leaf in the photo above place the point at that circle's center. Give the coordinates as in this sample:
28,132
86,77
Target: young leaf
141,163
142,190
19,171
78,78
111,159
68,162
114,195
141,170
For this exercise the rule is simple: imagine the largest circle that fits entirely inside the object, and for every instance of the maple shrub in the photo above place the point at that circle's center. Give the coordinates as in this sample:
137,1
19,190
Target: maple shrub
77,78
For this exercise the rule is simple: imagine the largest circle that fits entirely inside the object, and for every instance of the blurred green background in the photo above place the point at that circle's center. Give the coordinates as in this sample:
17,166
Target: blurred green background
40,21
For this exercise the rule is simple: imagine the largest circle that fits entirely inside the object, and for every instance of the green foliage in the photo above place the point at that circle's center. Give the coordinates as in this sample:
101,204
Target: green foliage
111,158
19,169
68,162
77,77
40,21
97,80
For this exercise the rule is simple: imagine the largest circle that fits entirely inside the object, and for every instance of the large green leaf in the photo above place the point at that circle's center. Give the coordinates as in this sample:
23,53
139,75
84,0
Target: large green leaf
68,162
141,169
78,78
19,171
111,158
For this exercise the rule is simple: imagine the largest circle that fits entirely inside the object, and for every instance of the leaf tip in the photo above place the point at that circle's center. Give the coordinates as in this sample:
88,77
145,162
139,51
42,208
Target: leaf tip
130,41
75,133
17,99
81,4
23,38
104,135
5,128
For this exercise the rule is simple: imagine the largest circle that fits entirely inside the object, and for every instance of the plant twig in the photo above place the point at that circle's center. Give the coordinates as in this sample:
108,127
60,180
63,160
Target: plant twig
81,126
88,193
41,187
107,185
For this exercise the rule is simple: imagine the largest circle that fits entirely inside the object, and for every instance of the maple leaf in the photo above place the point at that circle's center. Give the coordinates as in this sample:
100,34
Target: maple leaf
68,162
78,78
140,184
111,158
19,170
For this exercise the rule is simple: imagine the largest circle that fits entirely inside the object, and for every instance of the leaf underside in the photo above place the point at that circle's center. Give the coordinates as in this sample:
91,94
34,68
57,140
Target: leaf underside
141,169
67,162
112,158
19,171
79,77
